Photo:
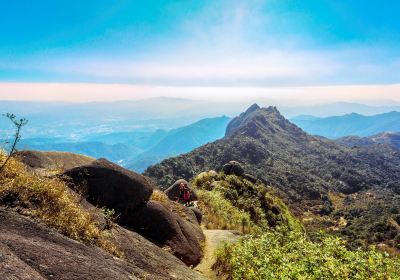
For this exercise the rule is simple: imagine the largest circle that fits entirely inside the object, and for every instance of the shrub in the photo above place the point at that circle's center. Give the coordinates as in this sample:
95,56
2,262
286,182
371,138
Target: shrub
158,195
256,205
282,254
219,213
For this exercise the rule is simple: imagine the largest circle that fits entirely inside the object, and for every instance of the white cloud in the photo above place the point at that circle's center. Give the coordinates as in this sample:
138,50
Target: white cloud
81,92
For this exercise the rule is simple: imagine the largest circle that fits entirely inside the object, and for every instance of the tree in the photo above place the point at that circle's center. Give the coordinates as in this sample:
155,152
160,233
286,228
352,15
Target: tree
18,124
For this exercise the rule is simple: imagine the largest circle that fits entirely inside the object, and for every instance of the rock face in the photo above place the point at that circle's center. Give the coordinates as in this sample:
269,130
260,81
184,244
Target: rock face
52,160
166,228
106,184
173,191
233,168
197,213
29,250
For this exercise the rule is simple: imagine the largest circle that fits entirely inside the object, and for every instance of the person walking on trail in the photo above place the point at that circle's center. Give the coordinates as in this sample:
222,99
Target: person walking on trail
184,194
181,197
187,196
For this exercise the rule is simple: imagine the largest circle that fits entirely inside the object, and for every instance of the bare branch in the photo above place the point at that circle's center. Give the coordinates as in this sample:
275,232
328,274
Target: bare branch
18,123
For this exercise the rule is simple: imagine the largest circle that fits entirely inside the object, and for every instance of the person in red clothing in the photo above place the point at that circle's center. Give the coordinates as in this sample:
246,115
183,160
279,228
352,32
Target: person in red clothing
181,198
187,196
184,194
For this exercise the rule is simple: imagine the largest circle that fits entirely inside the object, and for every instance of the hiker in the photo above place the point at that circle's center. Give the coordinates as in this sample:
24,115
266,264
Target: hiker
187,196
181,197
184,194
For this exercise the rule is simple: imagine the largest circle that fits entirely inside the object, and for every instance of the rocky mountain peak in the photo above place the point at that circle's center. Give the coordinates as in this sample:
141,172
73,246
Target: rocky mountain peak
256,119
252,108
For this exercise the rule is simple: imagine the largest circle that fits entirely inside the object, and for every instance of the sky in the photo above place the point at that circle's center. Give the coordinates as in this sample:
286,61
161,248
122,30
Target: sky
299,51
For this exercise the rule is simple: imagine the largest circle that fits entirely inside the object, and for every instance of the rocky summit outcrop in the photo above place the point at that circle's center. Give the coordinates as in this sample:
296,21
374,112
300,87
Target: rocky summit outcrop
173,191
30,250
58,161
182,236
106,184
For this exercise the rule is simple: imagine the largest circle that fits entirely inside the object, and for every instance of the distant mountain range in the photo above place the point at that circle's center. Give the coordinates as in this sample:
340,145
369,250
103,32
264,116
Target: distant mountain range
139,133
323,181
76,121
349,125
338,109
181,140
138,149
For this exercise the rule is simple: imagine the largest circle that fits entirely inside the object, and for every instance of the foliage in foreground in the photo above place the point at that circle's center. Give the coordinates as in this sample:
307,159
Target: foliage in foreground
290,255
50,201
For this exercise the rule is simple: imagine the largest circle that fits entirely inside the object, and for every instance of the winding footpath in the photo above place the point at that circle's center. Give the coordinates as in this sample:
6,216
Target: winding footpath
214,238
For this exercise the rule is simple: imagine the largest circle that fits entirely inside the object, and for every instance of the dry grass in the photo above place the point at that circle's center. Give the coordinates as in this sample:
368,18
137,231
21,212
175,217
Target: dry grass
50,201
159,196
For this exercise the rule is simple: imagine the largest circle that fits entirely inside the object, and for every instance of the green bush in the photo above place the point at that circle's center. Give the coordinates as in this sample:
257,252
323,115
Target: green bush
290,255
219,213
256,205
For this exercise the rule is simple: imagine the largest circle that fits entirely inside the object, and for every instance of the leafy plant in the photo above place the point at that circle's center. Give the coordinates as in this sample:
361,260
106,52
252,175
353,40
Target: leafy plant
282,254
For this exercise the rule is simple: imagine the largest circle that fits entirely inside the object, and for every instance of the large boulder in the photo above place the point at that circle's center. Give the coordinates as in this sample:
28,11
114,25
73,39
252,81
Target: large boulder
166,228
31,250
233,168
173,191
106,184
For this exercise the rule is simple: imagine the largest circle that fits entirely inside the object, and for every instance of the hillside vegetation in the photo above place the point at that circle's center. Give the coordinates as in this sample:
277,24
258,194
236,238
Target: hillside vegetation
233,202
274,244
387,138
305,170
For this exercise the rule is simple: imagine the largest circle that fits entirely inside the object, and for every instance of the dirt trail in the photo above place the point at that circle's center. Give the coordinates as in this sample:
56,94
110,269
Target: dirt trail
214,238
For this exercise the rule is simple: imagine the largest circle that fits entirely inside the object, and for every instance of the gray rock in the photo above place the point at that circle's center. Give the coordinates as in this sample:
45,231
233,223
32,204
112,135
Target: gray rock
106,184
166,228
30,250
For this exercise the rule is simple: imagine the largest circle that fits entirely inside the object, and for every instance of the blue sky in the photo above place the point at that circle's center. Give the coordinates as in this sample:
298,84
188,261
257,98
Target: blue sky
199,47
